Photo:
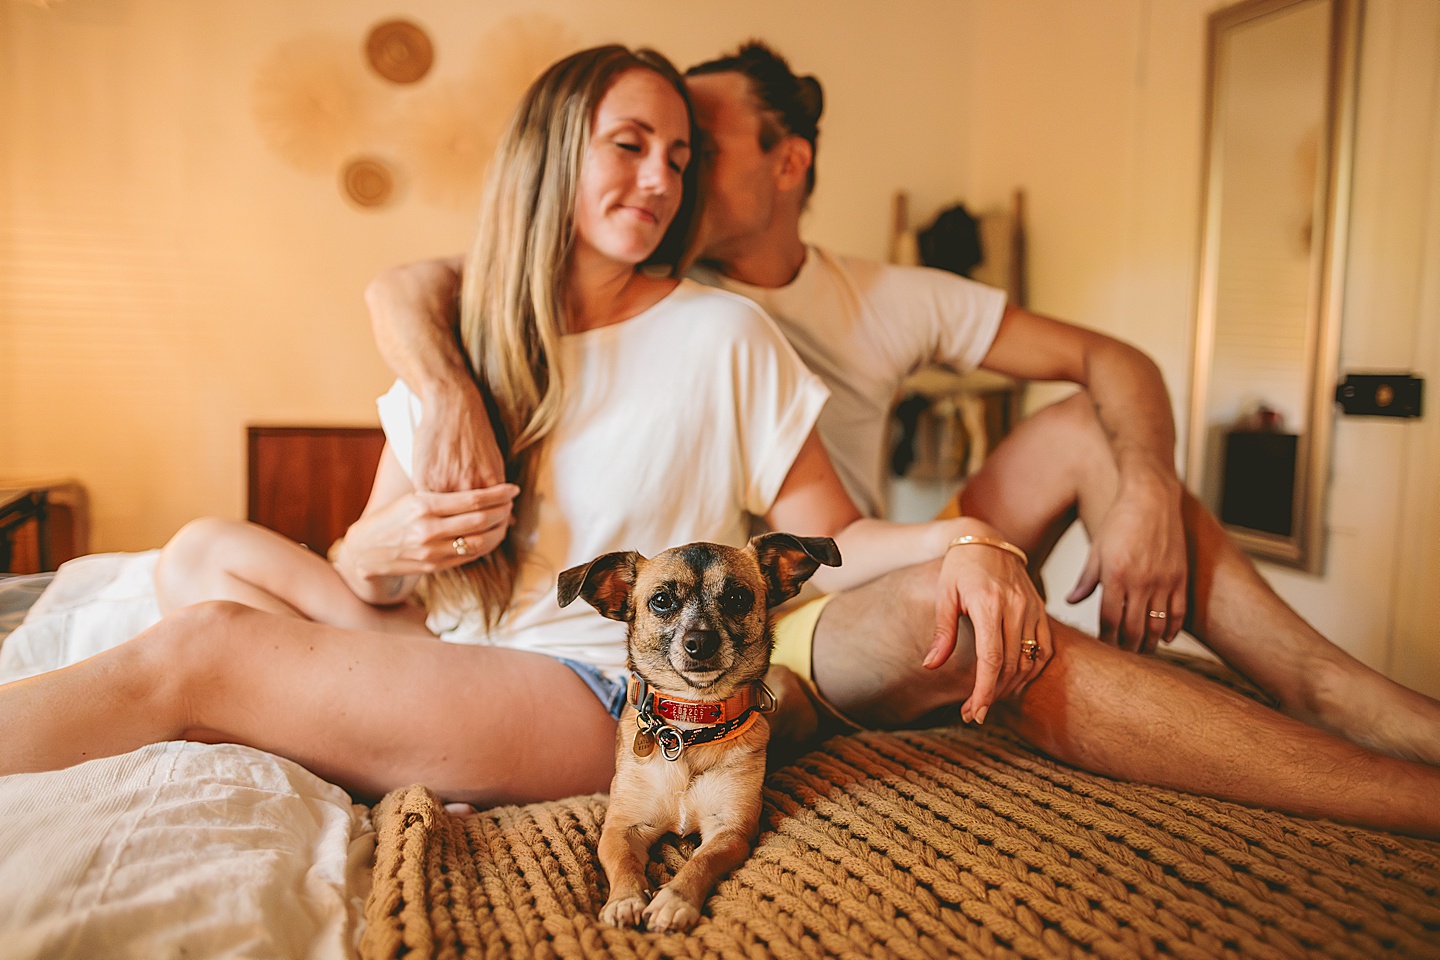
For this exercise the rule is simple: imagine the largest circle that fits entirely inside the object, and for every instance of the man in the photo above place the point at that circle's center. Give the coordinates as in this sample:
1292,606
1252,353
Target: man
1105,455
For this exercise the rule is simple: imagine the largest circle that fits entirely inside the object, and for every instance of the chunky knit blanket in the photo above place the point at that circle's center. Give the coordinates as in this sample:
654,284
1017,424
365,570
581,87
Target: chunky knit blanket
951,842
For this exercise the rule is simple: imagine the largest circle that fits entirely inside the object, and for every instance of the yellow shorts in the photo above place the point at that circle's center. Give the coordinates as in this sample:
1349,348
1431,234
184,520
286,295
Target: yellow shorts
794,634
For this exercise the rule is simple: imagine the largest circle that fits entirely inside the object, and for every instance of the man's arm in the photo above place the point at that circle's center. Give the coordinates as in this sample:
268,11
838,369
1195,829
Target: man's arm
1139,553
414,310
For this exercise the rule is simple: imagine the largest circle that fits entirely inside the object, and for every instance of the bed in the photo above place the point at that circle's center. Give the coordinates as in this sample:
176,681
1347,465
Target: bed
176,850
935,843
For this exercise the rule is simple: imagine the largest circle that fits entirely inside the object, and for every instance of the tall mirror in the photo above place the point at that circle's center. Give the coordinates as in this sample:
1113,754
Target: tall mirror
1280,118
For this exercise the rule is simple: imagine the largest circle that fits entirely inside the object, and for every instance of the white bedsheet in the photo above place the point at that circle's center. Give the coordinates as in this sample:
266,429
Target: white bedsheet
175,850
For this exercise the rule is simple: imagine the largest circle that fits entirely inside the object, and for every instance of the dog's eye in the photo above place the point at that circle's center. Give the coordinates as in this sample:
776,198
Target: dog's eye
662,601
737,600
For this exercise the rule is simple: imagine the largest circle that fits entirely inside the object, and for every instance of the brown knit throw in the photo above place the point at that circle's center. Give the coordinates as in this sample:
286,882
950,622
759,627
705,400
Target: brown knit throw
951,842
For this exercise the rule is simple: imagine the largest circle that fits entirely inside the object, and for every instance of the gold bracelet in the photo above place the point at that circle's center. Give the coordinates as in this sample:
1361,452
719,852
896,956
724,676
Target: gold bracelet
992,542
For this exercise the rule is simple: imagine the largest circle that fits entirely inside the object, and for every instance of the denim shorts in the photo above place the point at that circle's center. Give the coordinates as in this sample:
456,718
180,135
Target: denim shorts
610,692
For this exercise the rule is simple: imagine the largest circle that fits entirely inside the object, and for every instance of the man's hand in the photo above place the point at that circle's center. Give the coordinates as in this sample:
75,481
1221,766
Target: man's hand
992,588
1138,553
414,310
455,446
1138,558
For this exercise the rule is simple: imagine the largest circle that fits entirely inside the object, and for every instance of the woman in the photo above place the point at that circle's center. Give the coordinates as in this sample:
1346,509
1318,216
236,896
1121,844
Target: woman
635,411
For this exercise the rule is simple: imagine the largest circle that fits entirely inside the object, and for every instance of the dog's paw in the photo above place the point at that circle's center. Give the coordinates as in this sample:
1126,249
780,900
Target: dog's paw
623,911
669,912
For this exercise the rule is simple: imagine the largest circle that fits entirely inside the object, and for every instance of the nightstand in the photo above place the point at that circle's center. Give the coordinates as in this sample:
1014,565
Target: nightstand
42,524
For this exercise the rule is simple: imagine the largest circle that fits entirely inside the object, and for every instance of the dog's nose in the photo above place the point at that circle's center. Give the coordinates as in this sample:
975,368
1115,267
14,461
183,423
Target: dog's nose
702,644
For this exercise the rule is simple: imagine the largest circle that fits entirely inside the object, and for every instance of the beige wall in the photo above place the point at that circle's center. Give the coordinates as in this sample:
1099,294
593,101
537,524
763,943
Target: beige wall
166,277
1095,108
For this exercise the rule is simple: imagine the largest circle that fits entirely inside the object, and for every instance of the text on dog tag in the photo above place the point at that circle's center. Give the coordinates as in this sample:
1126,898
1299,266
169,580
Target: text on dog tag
644,744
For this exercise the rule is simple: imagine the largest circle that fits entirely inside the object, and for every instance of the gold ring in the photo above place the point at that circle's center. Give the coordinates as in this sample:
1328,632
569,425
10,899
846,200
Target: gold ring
461,547
1030,647
1158,614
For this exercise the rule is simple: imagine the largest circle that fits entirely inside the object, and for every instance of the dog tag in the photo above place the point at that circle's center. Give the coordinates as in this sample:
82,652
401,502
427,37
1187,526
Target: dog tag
644,744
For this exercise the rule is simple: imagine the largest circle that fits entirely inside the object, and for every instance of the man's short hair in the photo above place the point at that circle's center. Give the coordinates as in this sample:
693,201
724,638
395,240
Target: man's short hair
789,105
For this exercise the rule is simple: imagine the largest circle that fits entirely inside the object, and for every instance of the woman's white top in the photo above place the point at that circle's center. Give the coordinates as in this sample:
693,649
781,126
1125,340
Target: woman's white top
678,425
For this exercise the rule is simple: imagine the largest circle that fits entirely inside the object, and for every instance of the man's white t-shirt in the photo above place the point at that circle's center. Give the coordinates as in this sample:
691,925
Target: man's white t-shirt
678,425
863,327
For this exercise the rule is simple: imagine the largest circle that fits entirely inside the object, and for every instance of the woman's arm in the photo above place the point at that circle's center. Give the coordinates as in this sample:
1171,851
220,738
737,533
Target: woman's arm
403,533
986,583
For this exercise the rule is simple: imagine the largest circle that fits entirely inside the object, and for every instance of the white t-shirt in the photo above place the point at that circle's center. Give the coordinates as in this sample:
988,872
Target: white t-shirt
678,425
863,327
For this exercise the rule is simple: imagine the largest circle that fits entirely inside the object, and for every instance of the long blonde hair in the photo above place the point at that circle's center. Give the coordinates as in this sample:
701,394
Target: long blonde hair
510,303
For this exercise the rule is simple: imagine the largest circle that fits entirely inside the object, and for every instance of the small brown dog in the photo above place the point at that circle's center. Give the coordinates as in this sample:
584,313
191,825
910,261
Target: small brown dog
690,755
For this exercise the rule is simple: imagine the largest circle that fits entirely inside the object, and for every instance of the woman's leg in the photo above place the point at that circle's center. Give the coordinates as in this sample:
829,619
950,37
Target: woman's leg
215,559
1057,463
368,711
1114,713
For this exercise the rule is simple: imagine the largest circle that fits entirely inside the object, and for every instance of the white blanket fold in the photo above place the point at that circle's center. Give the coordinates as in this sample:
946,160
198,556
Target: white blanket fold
176,849
94,603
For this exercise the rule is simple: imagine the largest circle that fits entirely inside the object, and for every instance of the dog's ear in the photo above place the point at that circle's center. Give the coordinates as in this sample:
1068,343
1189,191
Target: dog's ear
787,561
605,582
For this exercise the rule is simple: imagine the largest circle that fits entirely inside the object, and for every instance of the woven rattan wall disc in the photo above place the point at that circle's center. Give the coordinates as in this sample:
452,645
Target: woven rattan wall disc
367,182
399,51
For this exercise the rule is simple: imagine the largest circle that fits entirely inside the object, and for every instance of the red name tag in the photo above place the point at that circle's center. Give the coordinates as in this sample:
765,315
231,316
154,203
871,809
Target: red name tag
690,712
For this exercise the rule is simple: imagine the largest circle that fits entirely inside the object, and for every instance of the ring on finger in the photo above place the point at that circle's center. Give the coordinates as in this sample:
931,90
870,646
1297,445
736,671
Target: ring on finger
460,547
1159,614
1031,648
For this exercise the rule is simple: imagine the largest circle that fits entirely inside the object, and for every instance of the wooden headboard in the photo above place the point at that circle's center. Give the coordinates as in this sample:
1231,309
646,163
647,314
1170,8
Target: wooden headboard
311,483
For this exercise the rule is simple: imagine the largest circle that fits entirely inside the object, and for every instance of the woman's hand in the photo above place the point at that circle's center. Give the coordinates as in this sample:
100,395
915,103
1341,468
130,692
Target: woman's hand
388,548
990,585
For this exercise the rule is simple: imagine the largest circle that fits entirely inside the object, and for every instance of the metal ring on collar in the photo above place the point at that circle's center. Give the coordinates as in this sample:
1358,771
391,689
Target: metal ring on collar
765,701
672,744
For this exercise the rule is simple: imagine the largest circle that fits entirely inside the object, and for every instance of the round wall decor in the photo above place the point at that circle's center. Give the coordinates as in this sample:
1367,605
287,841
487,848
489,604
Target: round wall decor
399,51
367,181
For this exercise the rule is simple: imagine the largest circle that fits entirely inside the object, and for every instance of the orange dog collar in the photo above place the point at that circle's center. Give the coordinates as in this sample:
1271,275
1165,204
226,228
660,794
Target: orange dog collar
644,698
721,719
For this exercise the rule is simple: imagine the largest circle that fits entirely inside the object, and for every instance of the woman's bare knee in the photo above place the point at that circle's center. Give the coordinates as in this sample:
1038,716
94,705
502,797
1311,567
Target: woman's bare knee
187,655
190,559
155,673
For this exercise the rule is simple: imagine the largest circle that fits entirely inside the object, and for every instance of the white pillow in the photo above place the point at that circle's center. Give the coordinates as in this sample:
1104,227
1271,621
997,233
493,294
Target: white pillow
180,850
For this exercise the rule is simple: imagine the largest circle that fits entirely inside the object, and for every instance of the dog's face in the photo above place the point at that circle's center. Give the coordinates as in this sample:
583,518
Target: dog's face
699,614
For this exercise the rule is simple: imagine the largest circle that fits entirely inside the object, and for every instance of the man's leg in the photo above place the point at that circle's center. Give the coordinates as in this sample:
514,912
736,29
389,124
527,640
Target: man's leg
368,711
1057,464
1117,714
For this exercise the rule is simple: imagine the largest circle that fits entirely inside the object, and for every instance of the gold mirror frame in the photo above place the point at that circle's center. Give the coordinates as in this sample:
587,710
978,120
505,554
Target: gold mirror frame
1304,546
